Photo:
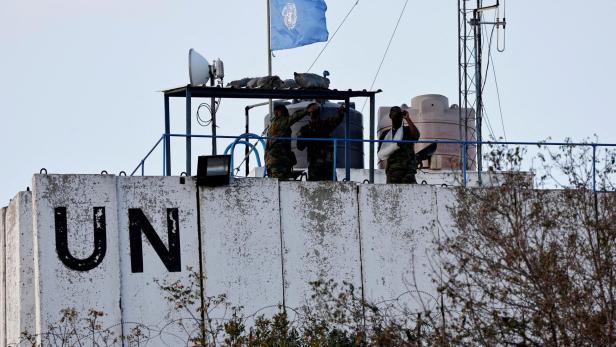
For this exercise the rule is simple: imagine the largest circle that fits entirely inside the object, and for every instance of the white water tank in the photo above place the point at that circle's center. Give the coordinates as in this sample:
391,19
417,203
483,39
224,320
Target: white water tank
436,120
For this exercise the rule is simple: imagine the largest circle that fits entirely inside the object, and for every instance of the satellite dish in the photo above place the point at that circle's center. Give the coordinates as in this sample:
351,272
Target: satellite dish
198,68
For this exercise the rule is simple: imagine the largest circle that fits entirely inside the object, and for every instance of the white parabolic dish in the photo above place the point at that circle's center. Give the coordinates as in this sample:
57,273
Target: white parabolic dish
198,68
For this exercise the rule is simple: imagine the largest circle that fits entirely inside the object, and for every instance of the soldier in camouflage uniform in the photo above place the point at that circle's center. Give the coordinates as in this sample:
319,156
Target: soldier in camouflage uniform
279,159
320,153
402,163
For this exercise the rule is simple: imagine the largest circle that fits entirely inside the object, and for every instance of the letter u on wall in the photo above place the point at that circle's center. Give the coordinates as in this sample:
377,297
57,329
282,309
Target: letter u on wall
100,240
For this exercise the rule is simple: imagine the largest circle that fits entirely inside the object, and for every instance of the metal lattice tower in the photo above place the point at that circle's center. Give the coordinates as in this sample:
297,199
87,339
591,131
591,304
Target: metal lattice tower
470,83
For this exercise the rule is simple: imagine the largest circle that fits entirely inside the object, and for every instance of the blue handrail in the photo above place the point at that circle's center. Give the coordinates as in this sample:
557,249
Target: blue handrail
231,147
142,163
463,143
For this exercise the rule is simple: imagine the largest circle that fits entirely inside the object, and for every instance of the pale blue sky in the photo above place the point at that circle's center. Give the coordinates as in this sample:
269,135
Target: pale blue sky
79,78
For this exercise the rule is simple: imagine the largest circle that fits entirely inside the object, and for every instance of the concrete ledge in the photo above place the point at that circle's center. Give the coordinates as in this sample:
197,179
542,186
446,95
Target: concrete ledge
2,278
20,295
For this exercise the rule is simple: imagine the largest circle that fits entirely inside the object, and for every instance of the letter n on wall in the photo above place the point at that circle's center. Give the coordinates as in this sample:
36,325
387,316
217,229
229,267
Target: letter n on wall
138,224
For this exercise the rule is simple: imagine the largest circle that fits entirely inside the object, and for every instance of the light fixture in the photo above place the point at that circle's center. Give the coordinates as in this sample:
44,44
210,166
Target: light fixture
213,170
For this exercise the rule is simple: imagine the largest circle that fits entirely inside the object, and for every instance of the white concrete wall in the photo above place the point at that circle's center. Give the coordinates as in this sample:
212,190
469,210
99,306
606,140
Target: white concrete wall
142,300
58,286
19,268
396,224
240,225
262,242
2,279
320,236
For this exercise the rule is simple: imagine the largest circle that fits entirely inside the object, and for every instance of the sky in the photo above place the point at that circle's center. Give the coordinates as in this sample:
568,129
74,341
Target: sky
80,80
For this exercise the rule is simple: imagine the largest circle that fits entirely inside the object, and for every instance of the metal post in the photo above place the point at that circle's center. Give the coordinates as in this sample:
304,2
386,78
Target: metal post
143,167
347,132
167,148
164,154
460,80
213,111
478,85
247,149
372,136
464,162
335,157
464,49
188,131
594,168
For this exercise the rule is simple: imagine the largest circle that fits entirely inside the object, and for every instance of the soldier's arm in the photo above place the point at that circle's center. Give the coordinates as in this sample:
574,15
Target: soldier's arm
297,116
333,122
414,132
382,137
301,144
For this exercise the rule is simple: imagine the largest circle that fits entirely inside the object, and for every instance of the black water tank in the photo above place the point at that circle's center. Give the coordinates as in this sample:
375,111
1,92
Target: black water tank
328,110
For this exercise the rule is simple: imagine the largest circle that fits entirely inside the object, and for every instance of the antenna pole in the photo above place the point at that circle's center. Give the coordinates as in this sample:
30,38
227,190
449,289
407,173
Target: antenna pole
478,89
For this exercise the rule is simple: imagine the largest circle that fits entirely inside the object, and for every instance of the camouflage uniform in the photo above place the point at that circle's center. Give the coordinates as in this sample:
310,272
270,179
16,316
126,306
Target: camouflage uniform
320,153
402,164
279,159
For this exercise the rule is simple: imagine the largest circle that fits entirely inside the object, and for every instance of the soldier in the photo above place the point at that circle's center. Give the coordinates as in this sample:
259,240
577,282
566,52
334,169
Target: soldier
401,161
320,153
279,159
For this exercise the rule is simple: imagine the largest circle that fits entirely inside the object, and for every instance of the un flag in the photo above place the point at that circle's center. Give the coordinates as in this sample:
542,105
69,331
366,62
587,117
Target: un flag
297,23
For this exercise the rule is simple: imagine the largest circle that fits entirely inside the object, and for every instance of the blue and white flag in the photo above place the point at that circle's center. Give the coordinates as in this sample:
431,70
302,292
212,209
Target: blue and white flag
296,23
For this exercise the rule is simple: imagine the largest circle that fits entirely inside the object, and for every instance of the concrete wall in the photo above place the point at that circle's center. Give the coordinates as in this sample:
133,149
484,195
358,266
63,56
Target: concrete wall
396,224
261,244
58,286
320,236
241,244
19,262
142,300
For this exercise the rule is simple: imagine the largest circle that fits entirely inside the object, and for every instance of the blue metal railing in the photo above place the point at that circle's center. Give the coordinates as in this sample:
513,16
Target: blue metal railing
335,141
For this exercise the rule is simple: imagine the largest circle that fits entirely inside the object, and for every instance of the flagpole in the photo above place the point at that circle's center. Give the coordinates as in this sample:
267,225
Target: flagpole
269,40
269,50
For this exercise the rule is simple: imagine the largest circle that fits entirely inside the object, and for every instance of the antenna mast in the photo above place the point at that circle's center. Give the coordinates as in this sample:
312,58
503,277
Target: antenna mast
470,85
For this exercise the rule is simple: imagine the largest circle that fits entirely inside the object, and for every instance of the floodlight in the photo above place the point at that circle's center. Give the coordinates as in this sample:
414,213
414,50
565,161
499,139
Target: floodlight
213,170
198,68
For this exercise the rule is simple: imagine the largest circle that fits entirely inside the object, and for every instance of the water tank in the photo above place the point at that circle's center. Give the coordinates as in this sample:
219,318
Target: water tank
328,110
436,120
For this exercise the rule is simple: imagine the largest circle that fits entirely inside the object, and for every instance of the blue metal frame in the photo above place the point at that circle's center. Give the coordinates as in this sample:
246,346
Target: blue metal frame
464,144
188,92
